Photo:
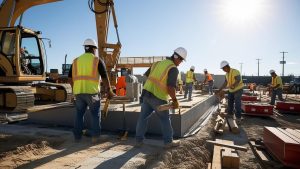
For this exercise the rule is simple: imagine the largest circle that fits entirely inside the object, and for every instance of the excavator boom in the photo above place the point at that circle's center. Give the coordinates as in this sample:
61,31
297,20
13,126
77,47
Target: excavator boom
10,10
108,52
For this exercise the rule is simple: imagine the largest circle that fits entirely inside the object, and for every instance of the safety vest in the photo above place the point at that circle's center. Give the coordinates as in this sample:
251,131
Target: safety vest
85,74
189,77
179,80
157,79
121,86
277,80
231,80
208,77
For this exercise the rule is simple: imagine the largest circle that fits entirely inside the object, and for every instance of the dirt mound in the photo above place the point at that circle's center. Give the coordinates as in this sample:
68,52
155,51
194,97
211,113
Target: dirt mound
18,150
192,153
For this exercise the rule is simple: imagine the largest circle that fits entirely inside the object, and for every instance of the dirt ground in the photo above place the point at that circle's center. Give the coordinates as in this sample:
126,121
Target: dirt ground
31,147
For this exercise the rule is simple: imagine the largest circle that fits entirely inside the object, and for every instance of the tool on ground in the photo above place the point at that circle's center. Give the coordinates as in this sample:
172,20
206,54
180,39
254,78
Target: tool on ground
227,145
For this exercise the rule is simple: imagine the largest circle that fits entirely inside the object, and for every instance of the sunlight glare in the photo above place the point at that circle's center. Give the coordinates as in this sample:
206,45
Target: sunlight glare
241,11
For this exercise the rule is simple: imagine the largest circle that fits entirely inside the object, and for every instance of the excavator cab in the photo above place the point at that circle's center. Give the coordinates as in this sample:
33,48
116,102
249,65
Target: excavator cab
22,72
21,55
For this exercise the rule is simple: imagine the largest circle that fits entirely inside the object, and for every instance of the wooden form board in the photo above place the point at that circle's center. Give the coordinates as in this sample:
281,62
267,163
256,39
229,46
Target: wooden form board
224,156
233,126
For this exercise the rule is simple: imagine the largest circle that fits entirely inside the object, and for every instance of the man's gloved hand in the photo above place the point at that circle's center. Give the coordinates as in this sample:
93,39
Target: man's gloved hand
110,94
175,104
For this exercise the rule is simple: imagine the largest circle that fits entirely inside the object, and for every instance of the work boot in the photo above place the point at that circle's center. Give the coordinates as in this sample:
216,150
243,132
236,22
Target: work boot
174,143
77,140
99,139
138,144
239,121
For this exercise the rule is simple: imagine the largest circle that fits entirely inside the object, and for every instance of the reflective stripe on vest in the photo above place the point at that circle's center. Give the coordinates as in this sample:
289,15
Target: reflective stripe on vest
157,80
85,74
189,77
230,77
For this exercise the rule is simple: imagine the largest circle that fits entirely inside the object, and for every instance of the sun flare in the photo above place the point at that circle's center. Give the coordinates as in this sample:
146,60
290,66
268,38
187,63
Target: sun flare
241,11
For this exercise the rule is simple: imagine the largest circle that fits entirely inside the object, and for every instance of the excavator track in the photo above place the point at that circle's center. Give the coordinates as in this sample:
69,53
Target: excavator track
65,87
16,101
16,98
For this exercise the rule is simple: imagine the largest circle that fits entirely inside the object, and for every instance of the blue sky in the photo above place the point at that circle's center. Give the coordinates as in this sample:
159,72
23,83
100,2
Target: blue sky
211,31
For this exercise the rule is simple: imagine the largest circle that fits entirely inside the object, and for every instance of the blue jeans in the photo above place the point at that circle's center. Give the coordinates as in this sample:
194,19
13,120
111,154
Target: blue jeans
148,106
274,93
188,90
235,99
82,102
210,87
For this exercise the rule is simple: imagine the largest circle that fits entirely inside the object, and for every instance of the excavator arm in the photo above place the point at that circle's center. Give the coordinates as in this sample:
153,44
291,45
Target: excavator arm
104,10
10,10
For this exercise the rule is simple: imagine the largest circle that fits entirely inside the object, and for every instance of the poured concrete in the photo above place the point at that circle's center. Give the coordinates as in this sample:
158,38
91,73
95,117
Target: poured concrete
117,119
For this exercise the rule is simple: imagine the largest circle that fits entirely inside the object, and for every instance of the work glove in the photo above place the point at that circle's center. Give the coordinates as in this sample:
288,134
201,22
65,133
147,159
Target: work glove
175,104
110,94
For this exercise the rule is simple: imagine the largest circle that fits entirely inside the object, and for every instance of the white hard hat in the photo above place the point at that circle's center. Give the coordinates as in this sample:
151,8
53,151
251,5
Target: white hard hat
272,71
90,42
205,70
181,52
193,67
223,64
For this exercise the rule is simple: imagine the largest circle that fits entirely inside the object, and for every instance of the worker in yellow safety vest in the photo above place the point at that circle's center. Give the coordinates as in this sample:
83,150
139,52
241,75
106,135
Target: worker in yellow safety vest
208,80
84,77
180,82
159,86
190,79
235,84
276,87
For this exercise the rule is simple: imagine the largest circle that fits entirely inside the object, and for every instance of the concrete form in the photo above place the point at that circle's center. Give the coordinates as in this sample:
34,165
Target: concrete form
124,116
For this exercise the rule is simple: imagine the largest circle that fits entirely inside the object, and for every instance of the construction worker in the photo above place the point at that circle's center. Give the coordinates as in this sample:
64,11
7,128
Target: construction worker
180,83
84,79
235,84
189,83
276,87
160,85
121,86
208,80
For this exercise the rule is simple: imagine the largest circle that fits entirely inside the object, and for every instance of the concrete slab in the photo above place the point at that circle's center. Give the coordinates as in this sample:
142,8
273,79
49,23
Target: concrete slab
117,119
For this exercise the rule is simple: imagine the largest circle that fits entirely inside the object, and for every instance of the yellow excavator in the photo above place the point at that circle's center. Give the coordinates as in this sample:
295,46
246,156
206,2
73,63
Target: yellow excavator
22,61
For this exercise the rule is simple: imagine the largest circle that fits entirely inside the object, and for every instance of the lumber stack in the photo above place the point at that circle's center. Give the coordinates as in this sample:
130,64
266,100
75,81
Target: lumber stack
223,123
225,155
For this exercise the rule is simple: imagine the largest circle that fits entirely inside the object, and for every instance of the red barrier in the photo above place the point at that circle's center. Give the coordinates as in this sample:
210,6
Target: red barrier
291,107
257,109
284,145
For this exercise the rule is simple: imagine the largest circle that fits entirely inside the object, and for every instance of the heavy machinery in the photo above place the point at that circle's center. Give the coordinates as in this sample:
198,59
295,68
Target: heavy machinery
22,61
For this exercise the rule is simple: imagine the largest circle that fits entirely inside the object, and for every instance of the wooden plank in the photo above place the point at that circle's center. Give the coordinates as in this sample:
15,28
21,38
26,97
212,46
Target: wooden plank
289,135
219,118
241,148
223,110
225,126
216,162
280,135
261,154
208,165
230,158
233,126
293,132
